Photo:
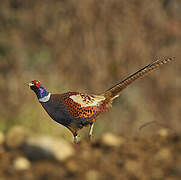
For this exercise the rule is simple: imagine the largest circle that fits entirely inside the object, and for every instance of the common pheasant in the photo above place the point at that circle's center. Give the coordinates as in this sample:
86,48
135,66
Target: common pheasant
75,110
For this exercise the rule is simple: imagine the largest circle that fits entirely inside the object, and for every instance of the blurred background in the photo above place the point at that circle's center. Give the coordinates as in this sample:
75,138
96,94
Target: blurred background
88,46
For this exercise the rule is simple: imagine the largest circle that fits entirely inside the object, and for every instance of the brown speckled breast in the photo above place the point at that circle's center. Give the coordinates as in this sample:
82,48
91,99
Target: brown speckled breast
76,110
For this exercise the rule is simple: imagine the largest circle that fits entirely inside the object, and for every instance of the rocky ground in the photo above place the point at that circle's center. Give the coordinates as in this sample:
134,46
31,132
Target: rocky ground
25,157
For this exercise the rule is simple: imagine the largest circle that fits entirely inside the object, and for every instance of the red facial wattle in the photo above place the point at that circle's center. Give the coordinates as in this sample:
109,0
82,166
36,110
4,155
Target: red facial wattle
36,83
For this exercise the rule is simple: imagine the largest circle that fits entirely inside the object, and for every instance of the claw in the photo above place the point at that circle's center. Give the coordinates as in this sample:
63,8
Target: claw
75,139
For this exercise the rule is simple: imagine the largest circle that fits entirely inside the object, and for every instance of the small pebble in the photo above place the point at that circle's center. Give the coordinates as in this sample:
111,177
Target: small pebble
2,138
164,154
112,140
15,137
72,166
21,163
92,175
163,132
132,166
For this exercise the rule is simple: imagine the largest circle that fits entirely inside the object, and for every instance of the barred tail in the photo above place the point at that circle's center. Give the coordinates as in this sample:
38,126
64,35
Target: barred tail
114,92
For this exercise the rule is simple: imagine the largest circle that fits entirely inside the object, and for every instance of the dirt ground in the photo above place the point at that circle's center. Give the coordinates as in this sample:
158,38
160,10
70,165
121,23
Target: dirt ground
157,157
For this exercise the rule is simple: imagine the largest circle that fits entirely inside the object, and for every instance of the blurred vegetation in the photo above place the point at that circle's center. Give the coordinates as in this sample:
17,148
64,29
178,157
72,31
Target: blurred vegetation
88,46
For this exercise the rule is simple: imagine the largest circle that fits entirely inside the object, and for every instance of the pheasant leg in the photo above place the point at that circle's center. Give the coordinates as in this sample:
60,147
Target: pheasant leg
91,131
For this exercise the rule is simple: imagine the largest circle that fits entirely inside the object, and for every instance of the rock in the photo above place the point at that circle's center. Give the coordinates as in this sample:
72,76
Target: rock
2,138
92,175
163,132
72,166
48,147
163,154
109,139
21,163
157,173
133,166
15,137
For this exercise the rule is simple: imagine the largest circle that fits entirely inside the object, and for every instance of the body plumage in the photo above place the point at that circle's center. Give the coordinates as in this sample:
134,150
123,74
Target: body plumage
76,110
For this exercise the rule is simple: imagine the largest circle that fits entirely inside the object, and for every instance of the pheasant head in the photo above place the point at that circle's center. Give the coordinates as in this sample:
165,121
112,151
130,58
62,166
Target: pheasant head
42,94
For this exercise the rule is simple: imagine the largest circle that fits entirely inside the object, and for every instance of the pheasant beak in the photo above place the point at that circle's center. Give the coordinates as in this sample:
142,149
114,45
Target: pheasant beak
30,84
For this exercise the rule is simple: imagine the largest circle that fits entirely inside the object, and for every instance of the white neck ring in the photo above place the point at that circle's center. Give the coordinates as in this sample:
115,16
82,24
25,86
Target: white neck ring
46,98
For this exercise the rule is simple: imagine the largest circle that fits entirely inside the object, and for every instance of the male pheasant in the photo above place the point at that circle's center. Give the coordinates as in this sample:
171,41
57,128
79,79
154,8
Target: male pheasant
75,110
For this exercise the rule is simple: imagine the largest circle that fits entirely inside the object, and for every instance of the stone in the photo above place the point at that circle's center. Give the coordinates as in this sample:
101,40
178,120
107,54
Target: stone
2,138
163,132
48,147
92,175
164,154
133,166
15,137
72,166
112,140
21,163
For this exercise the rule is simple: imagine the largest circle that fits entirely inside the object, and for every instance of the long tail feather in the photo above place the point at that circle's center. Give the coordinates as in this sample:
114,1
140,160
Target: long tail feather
114,91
